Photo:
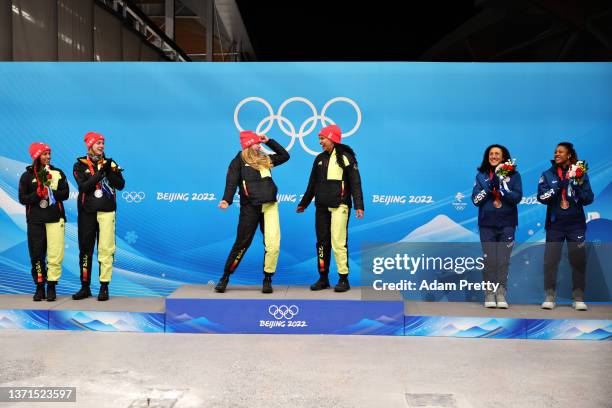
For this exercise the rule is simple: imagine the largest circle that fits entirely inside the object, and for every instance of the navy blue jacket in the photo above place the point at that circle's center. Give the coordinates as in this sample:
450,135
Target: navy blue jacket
549,193
511,194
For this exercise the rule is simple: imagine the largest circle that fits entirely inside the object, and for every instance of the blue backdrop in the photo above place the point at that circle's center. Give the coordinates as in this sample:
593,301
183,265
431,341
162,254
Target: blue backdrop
419,130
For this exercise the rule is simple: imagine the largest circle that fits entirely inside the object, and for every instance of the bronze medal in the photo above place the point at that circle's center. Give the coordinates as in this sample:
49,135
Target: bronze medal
497,204
565,204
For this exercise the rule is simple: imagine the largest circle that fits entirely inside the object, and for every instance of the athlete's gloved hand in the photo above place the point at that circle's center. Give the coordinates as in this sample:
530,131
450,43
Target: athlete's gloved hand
299,209
106,168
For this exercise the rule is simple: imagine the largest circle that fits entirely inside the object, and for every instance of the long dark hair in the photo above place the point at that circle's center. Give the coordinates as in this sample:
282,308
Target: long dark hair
485,166
36,164
573,156
340,150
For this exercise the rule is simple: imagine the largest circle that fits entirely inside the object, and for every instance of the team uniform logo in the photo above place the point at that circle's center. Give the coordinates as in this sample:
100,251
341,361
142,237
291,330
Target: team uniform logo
295,130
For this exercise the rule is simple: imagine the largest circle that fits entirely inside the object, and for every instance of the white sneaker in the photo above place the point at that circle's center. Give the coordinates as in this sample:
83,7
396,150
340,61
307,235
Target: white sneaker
579,306
500,296
548,305
489,302
549,300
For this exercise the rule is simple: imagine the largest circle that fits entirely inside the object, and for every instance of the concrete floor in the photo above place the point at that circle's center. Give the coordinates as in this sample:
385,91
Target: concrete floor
187,370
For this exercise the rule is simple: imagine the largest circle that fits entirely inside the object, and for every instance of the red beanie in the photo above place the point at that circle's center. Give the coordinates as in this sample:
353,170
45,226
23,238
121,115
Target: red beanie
248,138
331,132
37,148
91,138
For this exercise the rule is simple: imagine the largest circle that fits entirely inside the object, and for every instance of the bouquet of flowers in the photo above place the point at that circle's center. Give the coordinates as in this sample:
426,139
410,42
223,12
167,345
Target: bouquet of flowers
577,171
44,188
44,175
506,169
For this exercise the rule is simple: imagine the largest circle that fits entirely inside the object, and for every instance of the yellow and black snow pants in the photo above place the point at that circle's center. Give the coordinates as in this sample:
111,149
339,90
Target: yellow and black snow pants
266,217
46,241
101,226
332,234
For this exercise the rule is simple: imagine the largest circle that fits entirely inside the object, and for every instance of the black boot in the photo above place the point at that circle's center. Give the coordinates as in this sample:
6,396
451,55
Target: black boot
103,293
222,284
343,284
51,291
40,292
83,293
322,283
267,283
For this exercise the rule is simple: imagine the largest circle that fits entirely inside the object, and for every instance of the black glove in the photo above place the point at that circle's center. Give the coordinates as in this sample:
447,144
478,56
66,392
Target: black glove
106,168
99,175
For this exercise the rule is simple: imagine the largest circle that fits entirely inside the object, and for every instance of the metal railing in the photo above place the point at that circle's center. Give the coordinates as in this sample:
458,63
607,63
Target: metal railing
136,19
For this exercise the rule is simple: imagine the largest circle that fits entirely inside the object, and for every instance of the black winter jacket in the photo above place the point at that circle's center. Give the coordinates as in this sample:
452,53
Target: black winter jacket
28,197
87,185
333,193
253,188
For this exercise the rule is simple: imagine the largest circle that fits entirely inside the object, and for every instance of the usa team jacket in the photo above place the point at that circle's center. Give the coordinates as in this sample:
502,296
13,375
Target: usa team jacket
511,193
550,194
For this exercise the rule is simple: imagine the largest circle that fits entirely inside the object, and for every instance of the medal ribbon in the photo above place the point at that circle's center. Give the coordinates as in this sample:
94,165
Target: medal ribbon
496,193
37,180
560,174
91,170
51,197
106,188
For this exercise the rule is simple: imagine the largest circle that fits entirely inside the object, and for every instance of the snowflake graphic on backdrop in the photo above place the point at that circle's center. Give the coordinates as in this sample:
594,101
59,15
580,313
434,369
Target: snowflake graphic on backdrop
131,237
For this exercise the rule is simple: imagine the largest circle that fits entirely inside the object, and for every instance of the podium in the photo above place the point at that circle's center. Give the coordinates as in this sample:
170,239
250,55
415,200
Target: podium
466,319
298,310
289,310
119,314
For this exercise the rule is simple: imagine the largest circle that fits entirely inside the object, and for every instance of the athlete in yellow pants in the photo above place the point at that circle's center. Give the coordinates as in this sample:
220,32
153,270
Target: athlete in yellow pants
42,188
55,249
334,184
250,172
272,236
98,178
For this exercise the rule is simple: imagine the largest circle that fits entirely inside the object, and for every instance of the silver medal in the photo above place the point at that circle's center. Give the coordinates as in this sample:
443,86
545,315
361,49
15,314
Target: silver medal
98,193
43,204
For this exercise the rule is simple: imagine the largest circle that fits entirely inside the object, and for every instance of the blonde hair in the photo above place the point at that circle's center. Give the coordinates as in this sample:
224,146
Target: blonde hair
256,159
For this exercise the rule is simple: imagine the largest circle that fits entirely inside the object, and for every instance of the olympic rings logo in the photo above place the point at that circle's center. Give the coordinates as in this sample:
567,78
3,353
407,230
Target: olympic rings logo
133,196
288,127
283,311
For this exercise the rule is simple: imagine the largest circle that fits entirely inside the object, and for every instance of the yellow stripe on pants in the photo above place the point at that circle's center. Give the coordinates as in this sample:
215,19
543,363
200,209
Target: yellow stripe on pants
272,236
339,221
106,244
55,249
